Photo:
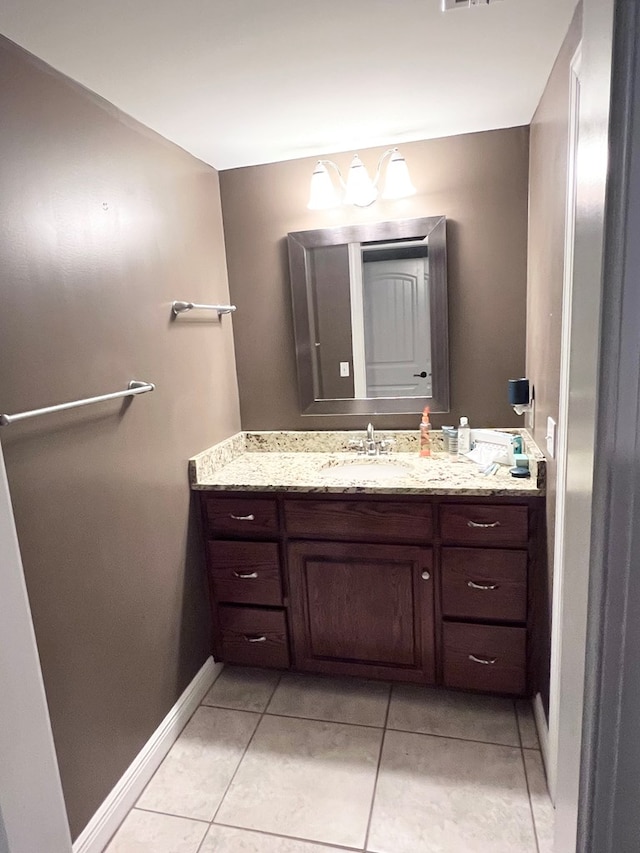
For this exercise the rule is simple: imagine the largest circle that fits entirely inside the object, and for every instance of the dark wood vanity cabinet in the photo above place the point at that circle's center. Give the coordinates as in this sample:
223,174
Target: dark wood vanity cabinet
429,589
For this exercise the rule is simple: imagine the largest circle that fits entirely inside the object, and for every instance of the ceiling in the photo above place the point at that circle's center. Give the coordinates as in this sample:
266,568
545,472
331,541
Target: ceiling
241,82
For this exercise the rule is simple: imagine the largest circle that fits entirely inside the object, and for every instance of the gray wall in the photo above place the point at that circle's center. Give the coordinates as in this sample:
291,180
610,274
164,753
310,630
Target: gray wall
478,181
103,224
547,211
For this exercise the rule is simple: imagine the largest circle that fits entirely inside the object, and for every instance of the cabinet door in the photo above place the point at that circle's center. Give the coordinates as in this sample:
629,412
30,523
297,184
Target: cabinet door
363,609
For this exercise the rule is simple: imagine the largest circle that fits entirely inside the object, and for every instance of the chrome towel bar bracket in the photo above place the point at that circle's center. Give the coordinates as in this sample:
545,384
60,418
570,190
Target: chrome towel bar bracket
182,307
134,388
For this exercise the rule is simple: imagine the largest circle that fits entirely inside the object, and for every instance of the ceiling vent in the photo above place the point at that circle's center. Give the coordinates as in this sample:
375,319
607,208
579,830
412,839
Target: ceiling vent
448,5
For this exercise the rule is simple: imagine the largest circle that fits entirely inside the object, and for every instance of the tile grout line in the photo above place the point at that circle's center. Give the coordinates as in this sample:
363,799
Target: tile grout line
453,737
178,817
375,784
235,772
388,728
526,778
169,814
312,841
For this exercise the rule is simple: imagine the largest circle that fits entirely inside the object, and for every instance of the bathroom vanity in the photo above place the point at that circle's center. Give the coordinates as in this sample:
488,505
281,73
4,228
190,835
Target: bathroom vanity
426,575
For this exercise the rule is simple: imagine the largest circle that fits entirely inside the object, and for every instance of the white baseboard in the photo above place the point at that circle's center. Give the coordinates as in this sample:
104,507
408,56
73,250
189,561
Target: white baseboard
543,730
98,832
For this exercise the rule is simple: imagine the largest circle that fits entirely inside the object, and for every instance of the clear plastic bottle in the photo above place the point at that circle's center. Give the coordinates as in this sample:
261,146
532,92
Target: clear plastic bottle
464,437
425,434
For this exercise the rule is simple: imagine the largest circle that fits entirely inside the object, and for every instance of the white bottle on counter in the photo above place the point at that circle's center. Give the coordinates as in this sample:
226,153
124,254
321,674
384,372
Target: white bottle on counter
464,437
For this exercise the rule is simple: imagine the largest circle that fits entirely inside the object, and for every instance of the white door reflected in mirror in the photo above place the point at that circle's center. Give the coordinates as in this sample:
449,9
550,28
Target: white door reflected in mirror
397,340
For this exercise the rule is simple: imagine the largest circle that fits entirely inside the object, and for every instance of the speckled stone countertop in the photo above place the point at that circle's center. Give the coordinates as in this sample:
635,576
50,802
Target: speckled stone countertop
314,461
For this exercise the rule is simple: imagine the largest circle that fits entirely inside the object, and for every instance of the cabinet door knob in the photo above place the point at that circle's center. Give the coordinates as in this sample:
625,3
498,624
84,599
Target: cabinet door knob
485,661
252,638
474,585
246,575
250,517
426,576
478,524
423,374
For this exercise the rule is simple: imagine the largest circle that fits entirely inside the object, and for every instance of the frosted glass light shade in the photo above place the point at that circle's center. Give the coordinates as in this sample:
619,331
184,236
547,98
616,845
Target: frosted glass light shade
397,180
322,193
360,189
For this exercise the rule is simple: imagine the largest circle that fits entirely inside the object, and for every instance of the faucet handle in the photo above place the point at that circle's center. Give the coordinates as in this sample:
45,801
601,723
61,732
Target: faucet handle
386,444
357,444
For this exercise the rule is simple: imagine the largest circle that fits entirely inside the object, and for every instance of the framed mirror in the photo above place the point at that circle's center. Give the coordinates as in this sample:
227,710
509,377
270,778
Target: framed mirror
370,317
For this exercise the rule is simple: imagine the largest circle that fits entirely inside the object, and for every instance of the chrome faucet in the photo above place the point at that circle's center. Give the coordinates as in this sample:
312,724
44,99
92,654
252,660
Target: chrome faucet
371,446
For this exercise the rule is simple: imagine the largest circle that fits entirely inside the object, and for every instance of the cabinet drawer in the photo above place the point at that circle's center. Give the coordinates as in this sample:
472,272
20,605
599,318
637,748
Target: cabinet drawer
485,657
247,517
254,637
368,521
484,583
482,524
245,572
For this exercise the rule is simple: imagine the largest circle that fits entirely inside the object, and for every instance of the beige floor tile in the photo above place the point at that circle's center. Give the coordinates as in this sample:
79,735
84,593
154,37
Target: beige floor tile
144,832
340,700
242,688
306,779
461,715
440,795
527,724
223,839
543,811
193,777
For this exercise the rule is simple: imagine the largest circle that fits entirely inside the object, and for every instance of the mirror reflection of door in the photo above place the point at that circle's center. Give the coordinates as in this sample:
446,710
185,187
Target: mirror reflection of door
392,356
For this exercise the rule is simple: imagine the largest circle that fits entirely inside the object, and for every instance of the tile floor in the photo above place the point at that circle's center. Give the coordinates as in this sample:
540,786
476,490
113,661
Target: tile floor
283,763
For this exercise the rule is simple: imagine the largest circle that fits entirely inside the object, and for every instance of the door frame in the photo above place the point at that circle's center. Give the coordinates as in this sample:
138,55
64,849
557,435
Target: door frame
562,580
609,818
584,368
356,296
31,800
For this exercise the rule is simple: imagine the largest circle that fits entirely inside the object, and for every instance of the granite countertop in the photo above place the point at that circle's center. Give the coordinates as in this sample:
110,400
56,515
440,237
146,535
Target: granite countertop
313,461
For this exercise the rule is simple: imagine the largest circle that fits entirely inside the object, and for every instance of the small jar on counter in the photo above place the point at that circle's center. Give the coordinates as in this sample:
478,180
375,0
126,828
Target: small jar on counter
446,430
451,442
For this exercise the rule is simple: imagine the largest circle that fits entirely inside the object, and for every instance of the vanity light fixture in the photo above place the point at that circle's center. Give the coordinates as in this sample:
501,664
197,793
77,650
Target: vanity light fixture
359,189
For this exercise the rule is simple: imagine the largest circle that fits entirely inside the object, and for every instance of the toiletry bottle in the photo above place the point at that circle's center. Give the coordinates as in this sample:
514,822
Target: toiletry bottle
446,438
425,434
464,437
453,445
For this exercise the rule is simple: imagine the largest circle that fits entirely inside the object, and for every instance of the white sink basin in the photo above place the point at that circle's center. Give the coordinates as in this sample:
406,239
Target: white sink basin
367,469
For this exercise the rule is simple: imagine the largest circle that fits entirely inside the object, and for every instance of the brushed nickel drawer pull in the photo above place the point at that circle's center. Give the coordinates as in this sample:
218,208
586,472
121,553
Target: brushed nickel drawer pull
246,575
255,638
478,524
250,517
425,576
485,661
485,586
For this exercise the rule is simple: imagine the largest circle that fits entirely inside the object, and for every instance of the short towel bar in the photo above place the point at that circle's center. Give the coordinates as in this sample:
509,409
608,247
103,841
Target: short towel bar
181,307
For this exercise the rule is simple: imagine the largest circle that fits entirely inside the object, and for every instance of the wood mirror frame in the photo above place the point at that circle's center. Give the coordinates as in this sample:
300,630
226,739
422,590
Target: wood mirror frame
432,230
